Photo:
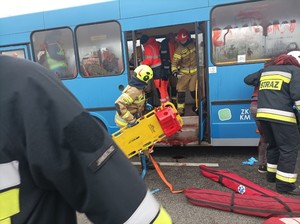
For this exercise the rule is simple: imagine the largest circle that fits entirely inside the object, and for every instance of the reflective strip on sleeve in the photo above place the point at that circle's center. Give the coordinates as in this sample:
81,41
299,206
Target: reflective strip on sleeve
126,115
9,203
146,212
119,121
126,99
286,177
276,115
9,175
297,103
163,217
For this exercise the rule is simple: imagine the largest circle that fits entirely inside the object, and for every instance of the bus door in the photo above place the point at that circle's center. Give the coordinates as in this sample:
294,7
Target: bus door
18,51
201,101
193,130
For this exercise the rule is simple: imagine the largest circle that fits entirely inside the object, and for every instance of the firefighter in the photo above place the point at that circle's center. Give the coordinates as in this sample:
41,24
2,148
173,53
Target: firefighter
56,159
132,102
279,85
184,67
152,59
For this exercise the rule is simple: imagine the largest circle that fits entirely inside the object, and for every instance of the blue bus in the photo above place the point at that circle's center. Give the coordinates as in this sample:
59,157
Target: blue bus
234,38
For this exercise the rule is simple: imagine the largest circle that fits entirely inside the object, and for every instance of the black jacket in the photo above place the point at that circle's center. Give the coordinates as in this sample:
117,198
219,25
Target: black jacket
59,159
279,90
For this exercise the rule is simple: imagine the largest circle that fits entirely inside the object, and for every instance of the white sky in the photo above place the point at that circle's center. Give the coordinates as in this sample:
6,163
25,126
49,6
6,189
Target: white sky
18,7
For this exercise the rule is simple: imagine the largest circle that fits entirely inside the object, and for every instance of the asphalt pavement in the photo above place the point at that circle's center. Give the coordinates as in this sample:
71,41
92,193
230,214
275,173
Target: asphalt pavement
181,176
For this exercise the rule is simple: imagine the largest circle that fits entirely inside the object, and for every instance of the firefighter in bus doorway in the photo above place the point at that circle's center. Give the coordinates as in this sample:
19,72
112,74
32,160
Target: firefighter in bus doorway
132,102
55,159
152,59
184,68
279,85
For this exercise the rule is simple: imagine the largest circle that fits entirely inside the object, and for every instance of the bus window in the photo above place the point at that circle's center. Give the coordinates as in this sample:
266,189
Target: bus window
14,53
254,31
100,49
54,49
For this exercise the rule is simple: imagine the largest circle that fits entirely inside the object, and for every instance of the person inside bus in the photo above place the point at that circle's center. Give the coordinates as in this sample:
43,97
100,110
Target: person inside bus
152,59
184,68
55,159
167,49
279,85
55,55
132,102
110,61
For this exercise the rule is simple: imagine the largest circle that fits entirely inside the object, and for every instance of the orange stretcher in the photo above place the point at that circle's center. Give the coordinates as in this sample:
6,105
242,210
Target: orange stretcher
152,127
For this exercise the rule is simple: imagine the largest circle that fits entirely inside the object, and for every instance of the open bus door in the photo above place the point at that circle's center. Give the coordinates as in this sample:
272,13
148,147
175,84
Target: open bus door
200,30
194,128
18,51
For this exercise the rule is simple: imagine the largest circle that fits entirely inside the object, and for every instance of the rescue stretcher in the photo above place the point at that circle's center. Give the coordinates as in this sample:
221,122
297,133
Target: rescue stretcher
152,127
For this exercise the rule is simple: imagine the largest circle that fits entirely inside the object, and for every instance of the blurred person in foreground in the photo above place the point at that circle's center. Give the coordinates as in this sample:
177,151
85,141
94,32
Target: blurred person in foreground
55,159
279,92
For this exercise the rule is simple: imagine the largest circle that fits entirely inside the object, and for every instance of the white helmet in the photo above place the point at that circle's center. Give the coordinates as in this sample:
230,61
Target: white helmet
295,54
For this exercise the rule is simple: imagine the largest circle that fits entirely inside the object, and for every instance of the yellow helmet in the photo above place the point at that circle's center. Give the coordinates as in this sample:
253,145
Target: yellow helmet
143,73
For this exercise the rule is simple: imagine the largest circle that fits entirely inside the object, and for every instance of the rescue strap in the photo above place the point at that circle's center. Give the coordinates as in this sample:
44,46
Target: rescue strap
161,175
196,96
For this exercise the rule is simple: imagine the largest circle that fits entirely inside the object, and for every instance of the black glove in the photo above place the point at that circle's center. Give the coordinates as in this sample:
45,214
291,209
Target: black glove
175,74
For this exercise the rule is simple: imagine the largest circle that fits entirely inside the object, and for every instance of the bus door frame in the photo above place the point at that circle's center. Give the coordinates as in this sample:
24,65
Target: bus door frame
200,29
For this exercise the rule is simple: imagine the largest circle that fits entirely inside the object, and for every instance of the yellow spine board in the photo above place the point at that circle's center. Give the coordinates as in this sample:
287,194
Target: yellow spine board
143,135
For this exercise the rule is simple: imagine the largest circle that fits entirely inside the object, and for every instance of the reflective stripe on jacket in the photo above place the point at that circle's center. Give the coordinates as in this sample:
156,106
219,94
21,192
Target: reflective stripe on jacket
151,53
54,63
9,191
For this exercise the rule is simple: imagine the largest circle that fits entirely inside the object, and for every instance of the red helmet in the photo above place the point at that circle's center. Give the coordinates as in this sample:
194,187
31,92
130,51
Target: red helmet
183,35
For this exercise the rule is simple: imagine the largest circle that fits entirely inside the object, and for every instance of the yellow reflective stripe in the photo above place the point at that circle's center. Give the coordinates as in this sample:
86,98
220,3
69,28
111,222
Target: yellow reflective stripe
297,104
126,99
188,70
126,115
9,203
180,105
275,111
9,175
275,75
119,121
5,221
177,56
286,177
272,168
163,217
276,117
146,211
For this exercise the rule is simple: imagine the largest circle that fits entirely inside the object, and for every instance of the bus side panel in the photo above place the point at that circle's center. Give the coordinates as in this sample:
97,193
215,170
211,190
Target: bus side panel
83,14
165,19
231,121
146,8
24,23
